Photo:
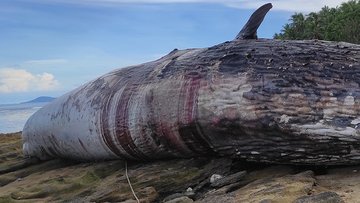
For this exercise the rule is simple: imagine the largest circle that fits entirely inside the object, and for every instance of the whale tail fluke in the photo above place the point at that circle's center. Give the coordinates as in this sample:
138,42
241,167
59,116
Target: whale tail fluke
249,31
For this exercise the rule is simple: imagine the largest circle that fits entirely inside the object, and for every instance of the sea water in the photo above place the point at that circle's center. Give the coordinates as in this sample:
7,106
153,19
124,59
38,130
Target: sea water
14,116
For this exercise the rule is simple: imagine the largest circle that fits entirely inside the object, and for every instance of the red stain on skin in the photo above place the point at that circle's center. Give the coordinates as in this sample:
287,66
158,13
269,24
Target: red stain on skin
123,134
120,137
189,127
173,132
82,144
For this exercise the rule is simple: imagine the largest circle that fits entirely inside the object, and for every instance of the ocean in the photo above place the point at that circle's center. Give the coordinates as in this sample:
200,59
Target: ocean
14,116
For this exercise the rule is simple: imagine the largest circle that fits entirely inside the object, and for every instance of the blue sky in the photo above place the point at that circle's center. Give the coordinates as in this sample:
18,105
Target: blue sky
49,47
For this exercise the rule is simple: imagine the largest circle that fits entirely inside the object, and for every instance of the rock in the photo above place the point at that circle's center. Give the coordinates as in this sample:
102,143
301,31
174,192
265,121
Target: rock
63,180
60,180
325,197
341,180
173,196
215,177
228,180
149,194
189,193
285,188
183,199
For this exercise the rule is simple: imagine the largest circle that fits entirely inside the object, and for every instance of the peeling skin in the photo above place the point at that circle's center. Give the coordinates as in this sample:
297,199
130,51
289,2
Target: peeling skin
293,102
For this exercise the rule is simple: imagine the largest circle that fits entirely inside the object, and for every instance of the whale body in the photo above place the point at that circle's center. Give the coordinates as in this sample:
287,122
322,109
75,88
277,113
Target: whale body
293,102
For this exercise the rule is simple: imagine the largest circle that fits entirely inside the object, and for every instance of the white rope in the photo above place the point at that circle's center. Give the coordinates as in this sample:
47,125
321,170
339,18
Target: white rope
127,177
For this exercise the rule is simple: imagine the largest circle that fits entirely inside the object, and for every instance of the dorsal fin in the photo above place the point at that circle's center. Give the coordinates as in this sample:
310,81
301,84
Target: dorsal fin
249,31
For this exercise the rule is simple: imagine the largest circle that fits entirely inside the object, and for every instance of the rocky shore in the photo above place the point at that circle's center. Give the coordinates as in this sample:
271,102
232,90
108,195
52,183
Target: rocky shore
201,179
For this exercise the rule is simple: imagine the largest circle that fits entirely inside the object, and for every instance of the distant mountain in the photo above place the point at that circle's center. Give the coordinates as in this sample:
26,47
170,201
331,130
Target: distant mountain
40,99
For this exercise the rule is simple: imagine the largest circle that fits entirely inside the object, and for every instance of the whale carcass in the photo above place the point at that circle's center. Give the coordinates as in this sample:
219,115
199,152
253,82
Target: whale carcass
292,102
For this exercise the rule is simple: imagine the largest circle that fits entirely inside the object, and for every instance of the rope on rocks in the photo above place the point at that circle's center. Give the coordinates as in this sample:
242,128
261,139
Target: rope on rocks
127,177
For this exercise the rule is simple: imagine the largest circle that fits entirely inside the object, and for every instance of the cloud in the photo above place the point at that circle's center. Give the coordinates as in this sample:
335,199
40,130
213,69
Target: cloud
46,82
46,62
285,5
13,80
19,80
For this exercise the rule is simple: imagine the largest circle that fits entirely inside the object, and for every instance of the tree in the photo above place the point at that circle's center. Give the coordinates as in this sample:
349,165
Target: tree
294,30
314,28
332,24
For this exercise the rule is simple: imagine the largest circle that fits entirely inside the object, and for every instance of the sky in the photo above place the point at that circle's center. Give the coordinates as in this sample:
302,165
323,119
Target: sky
50,47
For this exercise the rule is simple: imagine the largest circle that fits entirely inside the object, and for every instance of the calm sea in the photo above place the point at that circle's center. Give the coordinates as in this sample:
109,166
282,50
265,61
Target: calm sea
14,116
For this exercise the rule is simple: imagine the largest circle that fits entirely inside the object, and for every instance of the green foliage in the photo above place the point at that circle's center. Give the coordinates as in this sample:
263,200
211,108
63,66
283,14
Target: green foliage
332,24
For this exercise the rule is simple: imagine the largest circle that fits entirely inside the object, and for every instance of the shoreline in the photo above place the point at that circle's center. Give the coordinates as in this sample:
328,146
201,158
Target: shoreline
12,133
